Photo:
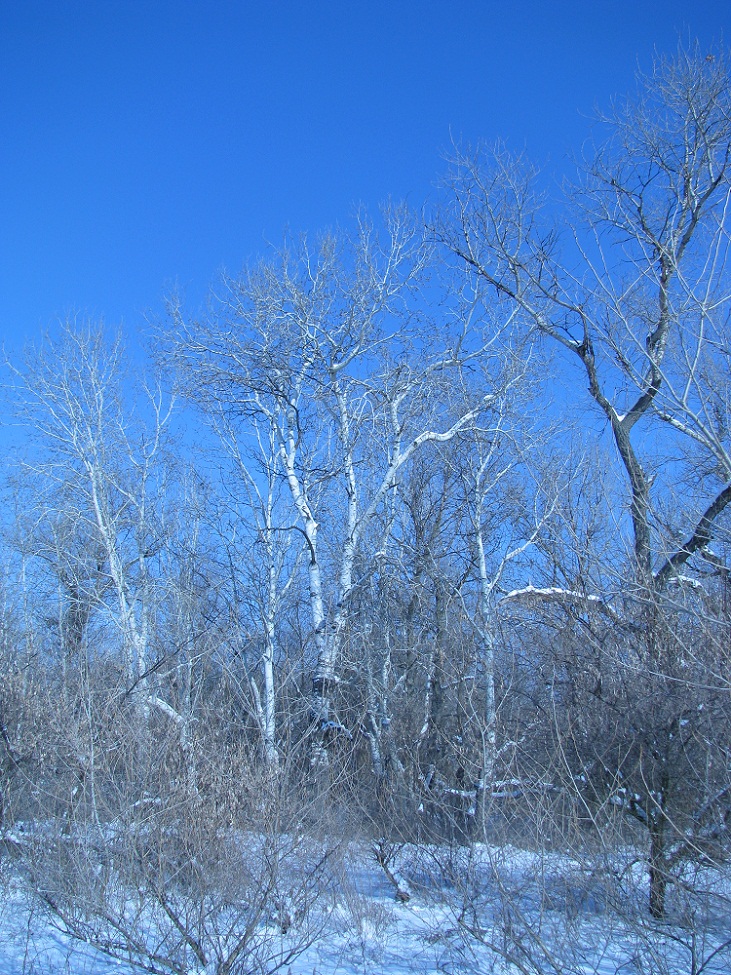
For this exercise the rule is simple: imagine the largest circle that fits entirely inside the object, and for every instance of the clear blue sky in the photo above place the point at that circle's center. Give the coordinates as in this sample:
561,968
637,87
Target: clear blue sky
148,143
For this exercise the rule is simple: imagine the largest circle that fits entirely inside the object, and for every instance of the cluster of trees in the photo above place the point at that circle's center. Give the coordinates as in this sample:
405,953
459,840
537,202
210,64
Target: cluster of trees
419,532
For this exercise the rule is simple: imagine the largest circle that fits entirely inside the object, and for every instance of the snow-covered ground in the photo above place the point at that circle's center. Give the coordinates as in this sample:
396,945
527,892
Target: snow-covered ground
485,910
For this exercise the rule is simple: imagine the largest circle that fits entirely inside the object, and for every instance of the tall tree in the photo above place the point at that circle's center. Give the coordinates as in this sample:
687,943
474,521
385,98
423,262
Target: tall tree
328,350
640,304
102,464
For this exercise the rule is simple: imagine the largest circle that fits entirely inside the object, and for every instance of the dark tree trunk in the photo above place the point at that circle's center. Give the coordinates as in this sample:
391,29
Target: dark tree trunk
658,873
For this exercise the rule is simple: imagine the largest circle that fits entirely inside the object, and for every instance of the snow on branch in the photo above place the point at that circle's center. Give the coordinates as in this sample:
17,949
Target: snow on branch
699,540
533,596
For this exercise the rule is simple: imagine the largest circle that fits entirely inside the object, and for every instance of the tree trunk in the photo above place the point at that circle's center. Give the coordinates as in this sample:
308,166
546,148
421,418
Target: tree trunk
658,873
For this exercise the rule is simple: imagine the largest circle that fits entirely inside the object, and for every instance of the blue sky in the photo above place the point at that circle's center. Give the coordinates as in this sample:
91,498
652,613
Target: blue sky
147,144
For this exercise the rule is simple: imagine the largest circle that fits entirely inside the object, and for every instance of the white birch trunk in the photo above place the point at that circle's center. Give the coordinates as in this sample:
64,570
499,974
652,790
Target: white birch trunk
487,658
134,636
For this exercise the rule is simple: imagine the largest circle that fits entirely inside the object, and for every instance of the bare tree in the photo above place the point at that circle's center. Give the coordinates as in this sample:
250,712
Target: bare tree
325,350
641,305
99,468
263,555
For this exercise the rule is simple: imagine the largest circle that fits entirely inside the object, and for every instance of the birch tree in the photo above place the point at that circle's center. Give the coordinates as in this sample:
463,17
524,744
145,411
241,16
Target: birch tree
264,555
106,464
327,348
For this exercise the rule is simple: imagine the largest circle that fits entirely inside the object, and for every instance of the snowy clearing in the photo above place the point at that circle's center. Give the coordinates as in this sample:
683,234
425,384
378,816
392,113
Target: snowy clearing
476,909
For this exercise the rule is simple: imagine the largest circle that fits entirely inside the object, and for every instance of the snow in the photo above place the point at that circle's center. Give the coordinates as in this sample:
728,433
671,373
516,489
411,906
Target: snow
29,945
467,905
680,580
550,592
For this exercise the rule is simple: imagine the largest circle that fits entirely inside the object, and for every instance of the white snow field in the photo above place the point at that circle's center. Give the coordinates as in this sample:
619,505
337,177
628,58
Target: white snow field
478,910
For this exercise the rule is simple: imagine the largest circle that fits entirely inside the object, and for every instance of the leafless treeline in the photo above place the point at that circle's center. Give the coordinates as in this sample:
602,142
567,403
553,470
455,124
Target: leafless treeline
418,533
